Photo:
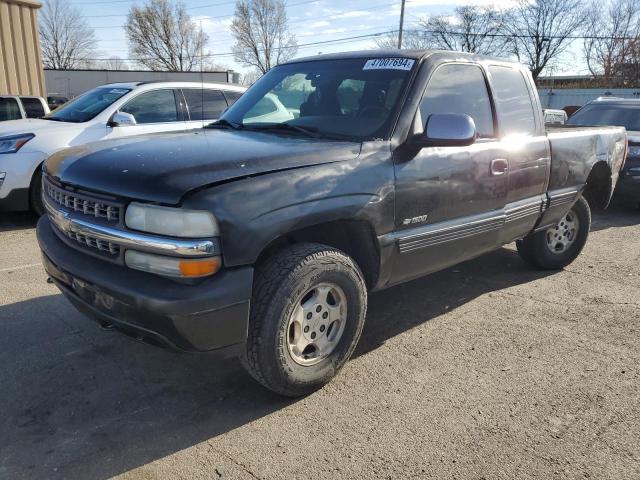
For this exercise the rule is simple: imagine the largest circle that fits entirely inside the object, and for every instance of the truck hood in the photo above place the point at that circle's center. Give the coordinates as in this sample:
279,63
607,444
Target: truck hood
164,167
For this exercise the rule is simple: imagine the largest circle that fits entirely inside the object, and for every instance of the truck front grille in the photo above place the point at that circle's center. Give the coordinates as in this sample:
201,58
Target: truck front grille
80,202
102,245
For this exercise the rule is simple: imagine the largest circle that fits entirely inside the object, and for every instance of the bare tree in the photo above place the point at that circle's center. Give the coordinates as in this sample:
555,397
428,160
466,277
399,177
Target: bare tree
115,63
470,29
250,77
411,40
612,41
162,36
66,39
542,30
262,37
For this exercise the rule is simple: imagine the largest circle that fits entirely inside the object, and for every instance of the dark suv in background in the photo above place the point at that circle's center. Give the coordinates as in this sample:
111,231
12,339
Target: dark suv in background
624,113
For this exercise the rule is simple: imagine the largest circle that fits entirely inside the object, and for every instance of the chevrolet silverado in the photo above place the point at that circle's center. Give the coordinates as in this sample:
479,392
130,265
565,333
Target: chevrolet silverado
261,234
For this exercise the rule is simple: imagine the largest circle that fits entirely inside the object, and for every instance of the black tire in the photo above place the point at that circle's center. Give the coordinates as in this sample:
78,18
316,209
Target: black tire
534,248
279,284
35,193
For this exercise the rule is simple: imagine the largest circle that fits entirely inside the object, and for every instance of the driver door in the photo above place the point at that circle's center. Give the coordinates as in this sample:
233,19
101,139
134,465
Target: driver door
450,200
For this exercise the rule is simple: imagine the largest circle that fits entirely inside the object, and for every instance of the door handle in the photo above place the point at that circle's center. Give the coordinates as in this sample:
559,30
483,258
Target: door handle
499,166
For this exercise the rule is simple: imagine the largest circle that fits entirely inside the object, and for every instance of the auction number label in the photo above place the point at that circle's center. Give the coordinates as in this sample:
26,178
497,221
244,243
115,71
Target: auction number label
389,64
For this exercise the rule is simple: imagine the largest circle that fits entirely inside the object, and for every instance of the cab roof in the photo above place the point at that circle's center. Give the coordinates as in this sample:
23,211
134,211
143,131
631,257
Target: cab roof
395,53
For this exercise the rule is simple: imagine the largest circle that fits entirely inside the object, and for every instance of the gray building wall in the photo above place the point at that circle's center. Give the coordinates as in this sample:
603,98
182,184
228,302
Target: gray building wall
72,83
562,97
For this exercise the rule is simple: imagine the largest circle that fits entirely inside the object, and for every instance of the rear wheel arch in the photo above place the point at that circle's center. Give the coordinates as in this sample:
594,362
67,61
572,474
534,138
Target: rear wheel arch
356,238
598,188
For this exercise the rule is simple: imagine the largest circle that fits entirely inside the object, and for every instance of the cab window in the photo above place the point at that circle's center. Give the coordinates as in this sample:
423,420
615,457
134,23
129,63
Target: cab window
157,106
461,89
204,104
32,107
9,109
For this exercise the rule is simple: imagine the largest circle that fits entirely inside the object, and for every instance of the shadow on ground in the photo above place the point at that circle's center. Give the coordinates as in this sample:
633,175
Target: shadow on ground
17,221
81,403
619,214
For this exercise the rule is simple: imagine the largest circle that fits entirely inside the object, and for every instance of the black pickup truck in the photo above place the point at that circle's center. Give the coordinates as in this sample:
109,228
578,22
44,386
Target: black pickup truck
261,235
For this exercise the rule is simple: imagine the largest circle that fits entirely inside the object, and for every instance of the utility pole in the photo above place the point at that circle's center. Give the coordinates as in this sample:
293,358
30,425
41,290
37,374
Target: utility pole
401,25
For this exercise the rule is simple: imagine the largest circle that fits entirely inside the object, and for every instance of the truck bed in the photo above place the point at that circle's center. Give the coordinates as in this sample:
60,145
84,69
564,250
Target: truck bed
576,153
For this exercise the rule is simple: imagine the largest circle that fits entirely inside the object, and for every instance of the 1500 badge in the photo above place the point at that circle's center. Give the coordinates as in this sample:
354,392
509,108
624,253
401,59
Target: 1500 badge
414,220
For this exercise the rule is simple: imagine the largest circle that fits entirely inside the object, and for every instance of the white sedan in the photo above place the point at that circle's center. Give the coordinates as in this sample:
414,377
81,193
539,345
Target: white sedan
110,111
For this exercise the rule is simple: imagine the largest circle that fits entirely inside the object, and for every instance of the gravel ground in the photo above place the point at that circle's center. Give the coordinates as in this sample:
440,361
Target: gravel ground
486,370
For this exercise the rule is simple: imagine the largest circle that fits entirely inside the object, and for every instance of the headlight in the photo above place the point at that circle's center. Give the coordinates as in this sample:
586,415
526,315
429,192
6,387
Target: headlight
172,266
176,222
633,151
14,143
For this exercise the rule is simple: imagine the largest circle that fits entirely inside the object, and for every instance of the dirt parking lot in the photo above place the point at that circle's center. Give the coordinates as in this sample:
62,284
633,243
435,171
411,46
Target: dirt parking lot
486,370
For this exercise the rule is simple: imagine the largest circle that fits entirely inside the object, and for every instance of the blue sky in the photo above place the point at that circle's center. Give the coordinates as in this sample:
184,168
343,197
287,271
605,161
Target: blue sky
310,20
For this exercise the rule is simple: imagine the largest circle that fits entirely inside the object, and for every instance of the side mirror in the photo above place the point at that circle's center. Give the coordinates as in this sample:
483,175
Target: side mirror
122,119
447,130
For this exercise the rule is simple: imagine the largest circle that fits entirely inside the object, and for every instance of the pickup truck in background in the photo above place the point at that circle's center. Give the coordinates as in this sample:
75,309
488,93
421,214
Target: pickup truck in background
111,111
18,107
262,237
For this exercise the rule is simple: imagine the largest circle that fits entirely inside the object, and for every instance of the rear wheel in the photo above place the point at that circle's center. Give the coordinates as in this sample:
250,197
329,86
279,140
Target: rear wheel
558,246
307,313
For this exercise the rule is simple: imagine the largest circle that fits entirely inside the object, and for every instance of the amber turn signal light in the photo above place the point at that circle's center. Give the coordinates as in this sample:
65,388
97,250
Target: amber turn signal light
199,268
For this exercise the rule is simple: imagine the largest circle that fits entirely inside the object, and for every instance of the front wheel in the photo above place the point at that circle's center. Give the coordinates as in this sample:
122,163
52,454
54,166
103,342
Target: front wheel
307,313
558,246
35,193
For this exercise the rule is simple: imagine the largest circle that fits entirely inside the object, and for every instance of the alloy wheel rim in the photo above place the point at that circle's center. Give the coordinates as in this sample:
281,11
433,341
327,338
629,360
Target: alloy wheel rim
316,324
563,235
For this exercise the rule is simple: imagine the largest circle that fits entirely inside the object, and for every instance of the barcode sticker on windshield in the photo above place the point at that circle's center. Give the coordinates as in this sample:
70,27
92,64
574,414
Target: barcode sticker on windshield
389,64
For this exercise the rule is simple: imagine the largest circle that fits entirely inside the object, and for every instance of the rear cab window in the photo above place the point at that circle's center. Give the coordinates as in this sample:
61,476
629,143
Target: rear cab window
514,102
33,107
9,109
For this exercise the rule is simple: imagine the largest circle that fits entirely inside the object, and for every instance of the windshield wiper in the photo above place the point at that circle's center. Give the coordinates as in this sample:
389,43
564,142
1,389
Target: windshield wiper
310,132
222,123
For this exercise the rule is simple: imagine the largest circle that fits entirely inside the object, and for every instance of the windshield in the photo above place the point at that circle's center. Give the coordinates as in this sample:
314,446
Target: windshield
353,98
87,105
627,116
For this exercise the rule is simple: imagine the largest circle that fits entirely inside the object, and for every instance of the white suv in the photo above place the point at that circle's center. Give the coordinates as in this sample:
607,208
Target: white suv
110,111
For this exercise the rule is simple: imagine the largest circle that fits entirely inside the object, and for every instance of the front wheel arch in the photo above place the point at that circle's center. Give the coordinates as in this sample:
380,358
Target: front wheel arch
35,191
